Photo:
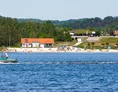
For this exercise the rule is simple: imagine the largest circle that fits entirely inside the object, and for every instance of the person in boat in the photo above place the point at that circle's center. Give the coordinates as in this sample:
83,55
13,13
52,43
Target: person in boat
4,55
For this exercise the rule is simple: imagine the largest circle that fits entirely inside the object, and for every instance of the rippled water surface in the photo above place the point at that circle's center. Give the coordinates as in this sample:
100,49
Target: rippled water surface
60,72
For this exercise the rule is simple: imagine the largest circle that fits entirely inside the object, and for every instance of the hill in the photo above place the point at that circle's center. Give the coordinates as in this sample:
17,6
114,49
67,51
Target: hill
78,23
104,26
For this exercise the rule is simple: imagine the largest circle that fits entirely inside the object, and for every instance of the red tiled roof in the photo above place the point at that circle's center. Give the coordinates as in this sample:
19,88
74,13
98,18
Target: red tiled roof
46,40
40,40
116,32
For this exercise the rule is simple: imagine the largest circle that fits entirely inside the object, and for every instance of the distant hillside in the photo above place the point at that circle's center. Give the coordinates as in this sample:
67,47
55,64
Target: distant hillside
56,22
30,20
102,26
78,23
89,22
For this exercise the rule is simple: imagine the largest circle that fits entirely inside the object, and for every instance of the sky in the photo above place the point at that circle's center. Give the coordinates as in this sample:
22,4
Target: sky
58,9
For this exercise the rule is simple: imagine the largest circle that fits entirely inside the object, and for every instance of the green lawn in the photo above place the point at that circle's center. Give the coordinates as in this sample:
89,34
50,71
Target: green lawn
103,43
80,31
109,39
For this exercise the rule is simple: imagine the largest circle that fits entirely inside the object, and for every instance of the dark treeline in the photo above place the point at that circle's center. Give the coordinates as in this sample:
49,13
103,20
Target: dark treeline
11,31
105,26
88,22
78,23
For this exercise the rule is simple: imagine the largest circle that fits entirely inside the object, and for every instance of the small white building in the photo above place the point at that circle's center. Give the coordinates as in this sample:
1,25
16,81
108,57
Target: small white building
72,34
79,39
37,42
93,32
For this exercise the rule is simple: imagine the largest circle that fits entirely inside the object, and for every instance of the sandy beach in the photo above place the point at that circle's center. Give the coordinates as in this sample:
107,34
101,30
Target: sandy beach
72,49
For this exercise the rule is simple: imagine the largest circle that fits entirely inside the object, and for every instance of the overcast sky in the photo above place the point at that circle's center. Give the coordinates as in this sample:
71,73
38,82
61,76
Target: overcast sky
58,9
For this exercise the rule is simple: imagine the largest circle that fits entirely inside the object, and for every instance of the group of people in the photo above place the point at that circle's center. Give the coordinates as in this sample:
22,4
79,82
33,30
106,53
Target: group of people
4,55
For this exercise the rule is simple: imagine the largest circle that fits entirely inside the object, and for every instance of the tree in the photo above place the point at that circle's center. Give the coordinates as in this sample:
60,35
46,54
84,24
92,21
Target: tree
102,44
88,44
107,44
93,44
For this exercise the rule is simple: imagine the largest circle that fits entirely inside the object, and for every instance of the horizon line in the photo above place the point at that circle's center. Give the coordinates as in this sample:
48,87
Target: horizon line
56,19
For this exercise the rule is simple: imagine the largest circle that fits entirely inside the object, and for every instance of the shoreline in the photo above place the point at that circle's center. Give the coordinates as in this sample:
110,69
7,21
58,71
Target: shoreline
30,50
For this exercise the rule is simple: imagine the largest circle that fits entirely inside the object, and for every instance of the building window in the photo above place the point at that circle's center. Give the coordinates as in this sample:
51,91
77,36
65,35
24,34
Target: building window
48,45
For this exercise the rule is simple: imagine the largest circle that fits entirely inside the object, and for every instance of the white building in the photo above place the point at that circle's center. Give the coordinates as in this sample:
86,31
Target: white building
37,42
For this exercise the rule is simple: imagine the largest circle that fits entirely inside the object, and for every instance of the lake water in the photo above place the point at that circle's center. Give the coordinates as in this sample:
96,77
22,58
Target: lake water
60,72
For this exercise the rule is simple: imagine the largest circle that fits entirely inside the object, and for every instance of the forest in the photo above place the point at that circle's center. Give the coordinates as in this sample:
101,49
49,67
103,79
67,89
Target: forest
13,29
103,26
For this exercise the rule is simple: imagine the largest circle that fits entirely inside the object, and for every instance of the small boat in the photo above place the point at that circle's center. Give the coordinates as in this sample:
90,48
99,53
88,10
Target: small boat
6,60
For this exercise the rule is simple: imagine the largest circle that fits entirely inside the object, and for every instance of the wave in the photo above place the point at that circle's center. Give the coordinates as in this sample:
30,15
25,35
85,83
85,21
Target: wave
68,63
